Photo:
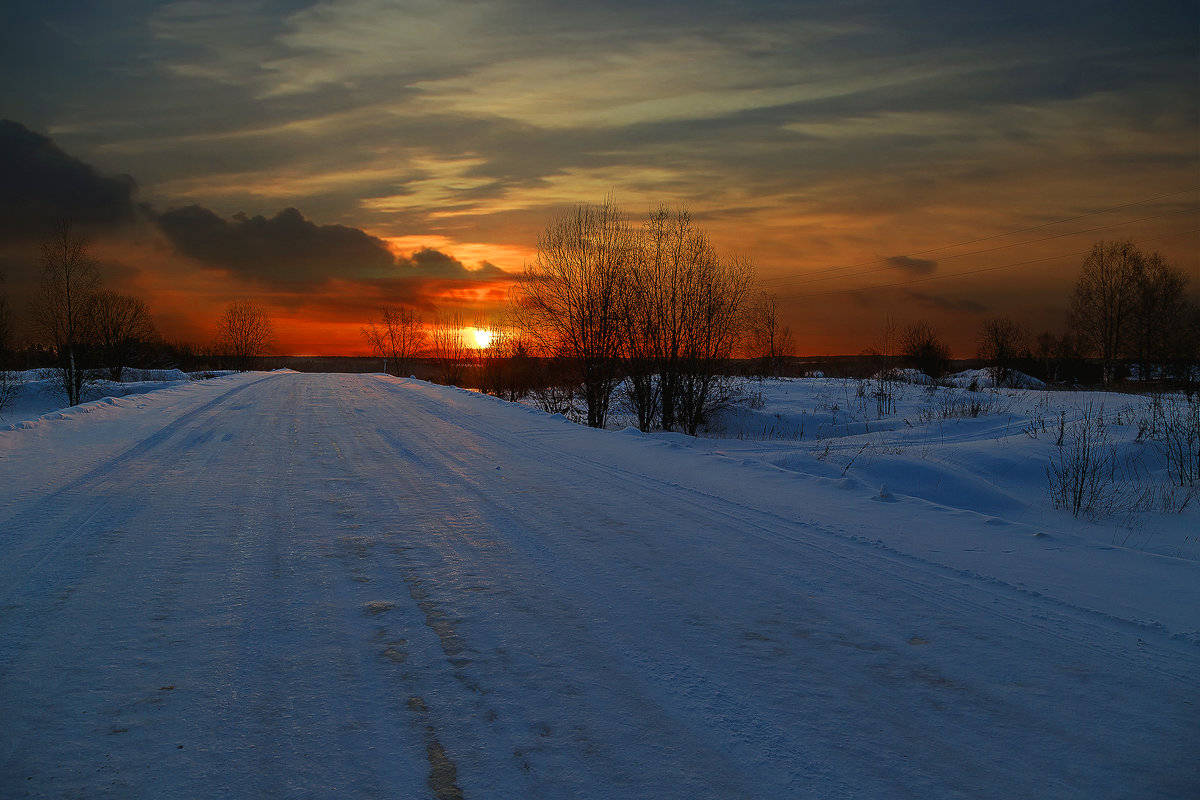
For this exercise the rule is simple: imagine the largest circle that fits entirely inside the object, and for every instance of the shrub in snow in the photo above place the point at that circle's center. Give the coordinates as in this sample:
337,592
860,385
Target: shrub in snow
975,379
9,383
951,405
133,375
1172,425
1082,469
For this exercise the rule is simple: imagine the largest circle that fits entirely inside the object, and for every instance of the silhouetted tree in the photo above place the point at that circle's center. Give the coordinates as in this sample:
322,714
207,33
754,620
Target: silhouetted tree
884,357
69,282
1158,314
507,364
689,313
8,381
714,324
450,349
398,338
6,323
245,332
641,339
1103,301
1002,343
569,297
122,328
769,340
921,344
1186,364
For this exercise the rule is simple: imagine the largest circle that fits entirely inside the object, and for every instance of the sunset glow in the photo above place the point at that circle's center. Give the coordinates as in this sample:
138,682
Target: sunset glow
481,338
943,161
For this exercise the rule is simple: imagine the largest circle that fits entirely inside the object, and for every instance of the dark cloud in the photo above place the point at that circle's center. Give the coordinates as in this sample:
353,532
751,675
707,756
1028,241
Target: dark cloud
913,266
290,251
40,185
430,263
285,249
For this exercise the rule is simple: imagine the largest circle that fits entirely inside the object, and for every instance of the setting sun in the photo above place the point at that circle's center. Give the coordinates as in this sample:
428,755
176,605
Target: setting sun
483,338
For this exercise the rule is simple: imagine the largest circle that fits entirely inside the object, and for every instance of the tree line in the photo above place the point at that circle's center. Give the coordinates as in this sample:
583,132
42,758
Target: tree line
1128,316
86,332
90,330
647,314
644,313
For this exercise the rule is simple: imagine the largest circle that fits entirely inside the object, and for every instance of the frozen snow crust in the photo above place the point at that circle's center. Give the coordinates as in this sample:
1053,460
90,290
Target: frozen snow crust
357,586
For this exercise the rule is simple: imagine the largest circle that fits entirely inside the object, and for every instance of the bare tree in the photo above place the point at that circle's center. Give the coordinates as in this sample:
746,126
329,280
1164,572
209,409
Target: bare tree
924,348
9,384
122,328
507,364
715,322
569,297
674,255
450,348
245,332
1061,356
641,308
397,338
691,306
1159,311
6,324
69,281
1002,343
885,361
8,381
1046,345
1186,362
1103,301
770,341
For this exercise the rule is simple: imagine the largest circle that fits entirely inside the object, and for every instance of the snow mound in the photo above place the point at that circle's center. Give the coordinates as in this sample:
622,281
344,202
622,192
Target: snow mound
134,375
982,379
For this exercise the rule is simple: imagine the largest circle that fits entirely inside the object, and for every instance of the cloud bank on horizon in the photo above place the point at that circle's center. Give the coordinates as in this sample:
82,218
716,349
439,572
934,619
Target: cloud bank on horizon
287,147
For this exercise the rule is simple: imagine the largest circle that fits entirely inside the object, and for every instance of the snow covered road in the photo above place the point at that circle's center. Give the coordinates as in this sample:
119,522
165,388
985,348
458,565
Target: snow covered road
288,585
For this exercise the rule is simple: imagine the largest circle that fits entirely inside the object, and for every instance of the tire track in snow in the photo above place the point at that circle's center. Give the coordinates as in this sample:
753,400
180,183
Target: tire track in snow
473,701
216,587
927,583
548,651
97,484
1065,618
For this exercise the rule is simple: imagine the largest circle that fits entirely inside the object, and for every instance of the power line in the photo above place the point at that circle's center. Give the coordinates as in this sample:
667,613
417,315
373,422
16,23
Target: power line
807,279
993,268
784,280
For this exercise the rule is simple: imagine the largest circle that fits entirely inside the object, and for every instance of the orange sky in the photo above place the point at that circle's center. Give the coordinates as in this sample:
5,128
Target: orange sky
930,160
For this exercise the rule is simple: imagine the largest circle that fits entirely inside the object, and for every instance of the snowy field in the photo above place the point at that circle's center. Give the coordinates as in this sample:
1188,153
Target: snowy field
290,585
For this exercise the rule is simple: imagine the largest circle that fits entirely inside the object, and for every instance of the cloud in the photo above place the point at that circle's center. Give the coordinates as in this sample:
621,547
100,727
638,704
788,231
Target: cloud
41,185
285,249
430,263
288,251
913,266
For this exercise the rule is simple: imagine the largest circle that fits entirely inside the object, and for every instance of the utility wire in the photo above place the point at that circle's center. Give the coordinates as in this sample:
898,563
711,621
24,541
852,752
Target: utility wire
993,268
796,280
784,280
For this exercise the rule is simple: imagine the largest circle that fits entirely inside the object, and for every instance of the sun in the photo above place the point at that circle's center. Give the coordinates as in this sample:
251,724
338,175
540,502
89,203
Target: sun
483,338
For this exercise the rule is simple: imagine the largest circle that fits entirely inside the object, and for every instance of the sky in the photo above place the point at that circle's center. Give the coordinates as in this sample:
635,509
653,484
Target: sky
877,161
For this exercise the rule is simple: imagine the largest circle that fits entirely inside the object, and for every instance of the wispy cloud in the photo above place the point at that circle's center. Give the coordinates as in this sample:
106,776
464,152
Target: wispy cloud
803,135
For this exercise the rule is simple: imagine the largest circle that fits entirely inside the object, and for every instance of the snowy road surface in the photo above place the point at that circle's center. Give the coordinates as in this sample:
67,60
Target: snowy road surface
286,585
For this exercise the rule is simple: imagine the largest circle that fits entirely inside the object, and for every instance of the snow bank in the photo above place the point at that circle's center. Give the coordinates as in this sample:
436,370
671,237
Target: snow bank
38,396
133,375
982,379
